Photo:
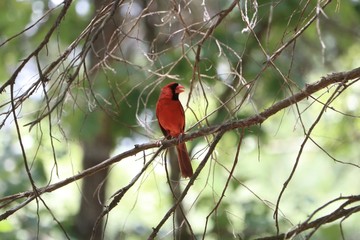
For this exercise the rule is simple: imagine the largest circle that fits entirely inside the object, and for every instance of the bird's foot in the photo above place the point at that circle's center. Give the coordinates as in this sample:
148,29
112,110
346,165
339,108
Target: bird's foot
180,137
159,143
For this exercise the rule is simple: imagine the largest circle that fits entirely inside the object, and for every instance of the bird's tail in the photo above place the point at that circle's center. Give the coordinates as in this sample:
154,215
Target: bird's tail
184,161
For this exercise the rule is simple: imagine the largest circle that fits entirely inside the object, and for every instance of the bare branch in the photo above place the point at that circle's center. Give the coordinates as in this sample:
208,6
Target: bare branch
340,78
340,213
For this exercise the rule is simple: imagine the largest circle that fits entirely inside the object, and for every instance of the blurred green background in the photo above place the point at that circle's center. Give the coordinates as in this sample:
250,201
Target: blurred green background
114,110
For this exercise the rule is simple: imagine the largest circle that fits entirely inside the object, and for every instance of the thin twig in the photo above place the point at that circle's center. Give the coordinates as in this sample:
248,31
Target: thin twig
340,77
340,213
191,182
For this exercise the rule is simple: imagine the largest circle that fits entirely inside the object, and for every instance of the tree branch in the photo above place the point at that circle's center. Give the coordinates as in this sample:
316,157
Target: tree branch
340,78
340,212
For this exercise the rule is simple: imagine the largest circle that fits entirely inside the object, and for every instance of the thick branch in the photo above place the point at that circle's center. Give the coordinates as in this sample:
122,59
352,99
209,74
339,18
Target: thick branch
341,78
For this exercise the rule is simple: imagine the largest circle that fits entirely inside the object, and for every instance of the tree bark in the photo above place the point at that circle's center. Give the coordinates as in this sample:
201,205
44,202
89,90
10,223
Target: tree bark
181,227
93,187
96,149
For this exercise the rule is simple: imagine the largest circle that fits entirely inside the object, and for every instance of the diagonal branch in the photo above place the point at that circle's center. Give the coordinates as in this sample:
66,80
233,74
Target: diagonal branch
340,213
216,140
57,22
324,82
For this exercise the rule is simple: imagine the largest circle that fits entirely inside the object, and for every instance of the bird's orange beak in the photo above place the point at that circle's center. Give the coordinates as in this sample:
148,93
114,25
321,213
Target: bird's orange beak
179,89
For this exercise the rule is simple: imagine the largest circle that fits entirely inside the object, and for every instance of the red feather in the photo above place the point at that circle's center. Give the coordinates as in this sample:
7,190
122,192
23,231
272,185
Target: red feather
171,118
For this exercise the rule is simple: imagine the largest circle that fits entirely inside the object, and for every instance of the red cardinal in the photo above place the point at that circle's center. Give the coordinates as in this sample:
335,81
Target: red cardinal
171,117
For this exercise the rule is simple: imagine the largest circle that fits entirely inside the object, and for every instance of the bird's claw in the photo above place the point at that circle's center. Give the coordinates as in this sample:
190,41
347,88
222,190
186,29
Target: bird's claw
181,136
158,143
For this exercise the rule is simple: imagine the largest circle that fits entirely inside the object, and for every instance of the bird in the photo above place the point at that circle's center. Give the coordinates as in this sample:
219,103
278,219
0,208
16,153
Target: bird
171,119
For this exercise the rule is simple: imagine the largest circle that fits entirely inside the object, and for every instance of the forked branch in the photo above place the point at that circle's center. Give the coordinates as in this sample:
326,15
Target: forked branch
334,78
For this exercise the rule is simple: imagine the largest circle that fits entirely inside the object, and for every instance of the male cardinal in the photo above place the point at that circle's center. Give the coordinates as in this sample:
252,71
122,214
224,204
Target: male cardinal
171,118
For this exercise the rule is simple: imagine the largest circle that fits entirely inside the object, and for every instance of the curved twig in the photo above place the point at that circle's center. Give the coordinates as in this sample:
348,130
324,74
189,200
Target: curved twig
340,77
